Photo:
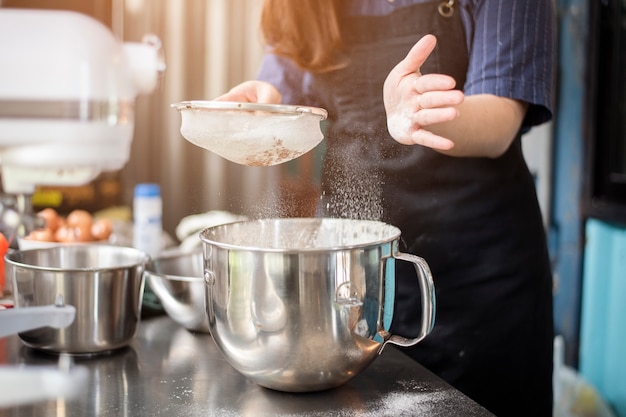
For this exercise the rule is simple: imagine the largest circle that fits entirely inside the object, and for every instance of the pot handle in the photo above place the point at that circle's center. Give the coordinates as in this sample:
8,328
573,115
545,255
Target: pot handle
17,320
427,290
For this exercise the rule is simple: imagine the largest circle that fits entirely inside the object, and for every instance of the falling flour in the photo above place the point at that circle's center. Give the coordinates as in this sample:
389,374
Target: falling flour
356,189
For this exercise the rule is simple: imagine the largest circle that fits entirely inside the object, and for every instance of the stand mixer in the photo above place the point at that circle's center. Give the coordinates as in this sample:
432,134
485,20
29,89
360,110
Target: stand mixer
67,93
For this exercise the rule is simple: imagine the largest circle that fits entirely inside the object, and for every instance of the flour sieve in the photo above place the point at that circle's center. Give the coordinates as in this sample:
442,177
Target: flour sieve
251,134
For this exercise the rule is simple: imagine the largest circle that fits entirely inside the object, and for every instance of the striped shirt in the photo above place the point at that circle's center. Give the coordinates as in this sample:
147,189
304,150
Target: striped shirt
511,45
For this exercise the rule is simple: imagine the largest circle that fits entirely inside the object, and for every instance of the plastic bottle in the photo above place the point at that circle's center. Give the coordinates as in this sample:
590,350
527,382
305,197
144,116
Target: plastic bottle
147,218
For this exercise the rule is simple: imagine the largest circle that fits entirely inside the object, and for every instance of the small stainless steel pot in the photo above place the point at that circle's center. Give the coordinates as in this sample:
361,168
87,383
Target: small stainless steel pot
304,304
103,282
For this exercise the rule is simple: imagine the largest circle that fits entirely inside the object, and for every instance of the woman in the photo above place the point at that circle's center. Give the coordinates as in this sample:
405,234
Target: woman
427,102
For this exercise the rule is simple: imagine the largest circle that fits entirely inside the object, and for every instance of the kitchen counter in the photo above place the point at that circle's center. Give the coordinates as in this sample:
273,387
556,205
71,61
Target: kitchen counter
169,371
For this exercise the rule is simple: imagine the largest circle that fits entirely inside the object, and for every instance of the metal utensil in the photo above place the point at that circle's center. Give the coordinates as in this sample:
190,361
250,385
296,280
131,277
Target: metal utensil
305,304
250,133
103,282
177,280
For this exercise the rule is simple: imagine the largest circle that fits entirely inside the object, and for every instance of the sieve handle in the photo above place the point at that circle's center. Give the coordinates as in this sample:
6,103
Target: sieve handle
427,291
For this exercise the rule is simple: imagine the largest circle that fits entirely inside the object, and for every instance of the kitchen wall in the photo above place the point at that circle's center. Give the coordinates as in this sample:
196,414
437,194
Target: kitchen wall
537,147
100,9
209,46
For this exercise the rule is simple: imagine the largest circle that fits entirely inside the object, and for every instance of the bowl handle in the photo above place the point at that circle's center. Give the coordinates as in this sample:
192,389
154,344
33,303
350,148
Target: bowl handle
427,290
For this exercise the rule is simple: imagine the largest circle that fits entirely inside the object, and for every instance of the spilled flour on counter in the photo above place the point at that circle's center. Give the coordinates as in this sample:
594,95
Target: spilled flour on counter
389,405
410,398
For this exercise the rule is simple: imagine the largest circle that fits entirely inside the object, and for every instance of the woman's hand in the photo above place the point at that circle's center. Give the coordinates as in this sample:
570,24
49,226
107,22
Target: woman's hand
414,102
253,92
426,110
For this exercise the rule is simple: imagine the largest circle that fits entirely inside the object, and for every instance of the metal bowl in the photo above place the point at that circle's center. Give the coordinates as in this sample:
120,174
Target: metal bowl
305,304
103,282
176,279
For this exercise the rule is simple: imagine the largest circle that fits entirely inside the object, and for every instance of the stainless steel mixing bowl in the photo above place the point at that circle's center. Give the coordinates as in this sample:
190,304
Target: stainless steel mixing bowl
177,280
304,304
103,282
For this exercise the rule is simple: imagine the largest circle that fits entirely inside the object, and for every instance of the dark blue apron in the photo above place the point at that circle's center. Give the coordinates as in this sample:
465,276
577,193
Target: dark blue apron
476,221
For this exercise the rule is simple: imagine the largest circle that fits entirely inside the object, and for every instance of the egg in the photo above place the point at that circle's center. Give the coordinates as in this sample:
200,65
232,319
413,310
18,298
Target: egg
78,226
101,229
82,233
42,235
52,218
64,234
79,218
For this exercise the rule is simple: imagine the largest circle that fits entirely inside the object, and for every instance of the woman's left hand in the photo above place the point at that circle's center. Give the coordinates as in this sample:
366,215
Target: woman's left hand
414,101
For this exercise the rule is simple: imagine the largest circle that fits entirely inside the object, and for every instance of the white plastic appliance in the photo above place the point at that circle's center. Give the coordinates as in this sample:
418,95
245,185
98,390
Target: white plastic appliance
67,93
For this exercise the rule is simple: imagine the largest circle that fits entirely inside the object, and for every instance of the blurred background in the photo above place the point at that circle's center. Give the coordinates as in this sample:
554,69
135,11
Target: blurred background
209,47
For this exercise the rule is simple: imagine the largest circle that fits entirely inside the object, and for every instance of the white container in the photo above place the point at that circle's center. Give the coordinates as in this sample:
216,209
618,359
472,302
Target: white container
147,219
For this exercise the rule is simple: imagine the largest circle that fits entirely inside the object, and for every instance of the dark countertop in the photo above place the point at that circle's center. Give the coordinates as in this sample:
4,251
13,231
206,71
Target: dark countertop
169,371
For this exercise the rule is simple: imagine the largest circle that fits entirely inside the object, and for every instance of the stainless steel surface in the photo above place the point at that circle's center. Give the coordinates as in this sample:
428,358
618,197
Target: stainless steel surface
169,371
177,280
301,304
252,134
104,283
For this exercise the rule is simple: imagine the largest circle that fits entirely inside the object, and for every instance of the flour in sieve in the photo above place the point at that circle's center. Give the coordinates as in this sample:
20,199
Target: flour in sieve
252,139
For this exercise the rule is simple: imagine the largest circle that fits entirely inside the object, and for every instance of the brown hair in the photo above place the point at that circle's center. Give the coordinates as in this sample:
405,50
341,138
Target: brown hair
306,31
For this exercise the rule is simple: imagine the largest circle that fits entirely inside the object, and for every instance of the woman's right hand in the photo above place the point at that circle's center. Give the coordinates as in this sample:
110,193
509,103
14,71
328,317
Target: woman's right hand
253,91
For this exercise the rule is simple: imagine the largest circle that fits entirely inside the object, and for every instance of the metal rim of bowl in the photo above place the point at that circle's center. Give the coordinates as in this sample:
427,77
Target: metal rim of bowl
230,246
170,256
172,277
10,258
251,107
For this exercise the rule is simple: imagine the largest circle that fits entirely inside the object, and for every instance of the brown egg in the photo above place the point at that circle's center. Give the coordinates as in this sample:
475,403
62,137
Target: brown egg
79,218
82,233
42,235
61,222
65,234
51,217
101,229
